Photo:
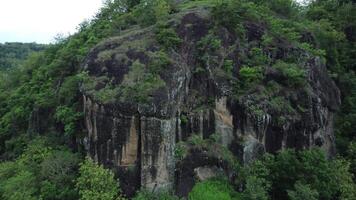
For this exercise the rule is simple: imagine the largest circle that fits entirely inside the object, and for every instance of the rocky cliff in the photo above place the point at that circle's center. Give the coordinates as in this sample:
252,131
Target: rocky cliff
144,96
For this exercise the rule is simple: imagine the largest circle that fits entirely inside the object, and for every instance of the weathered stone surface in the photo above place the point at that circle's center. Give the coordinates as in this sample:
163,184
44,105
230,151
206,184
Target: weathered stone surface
138,139
206,172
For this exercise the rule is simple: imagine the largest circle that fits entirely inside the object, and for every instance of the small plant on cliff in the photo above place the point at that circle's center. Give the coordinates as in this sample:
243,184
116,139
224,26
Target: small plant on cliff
294,75
180,151
196,140
184,119
95,182
167,37
209,44
139,84
158,61
249,77
228,66
229,14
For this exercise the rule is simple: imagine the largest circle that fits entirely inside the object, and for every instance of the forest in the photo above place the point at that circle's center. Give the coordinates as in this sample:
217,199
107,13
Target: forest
44,128
11,54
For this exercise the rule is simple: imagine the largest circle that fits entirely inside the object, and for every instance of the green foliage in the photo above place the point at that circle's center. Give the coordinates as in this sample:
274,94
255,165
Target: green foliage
69,118
280,105
15,146
19,187
12,54
302,192
184,119
108,94
57,173
249,76
230,15
69,91
210,43
48,82
196,139
159,61
211,190
167,37
257,58
256,189
228,66
180,151
294,75
148,12
43,171
315,52
139,84
330,179
287,8
95,182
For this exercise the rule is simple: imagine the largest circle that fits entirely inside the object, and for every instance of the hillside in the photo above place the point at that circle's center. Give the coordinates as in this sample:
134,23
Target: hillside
240,99
11,54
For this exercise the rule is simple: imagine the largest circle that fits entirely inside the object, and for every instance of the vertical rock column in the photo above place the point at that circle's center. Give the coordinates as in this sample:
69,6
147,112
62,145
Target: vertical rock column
157,157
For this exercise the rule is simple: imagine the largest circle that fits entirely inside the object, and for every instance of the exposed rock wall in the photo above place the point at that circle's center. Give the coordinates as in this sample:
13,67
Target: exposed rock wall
138,140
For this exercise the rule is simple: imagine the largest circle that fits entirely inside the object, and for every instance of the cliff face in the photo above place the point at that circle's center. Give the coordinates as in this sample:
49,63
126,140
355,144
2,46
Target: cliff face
198,97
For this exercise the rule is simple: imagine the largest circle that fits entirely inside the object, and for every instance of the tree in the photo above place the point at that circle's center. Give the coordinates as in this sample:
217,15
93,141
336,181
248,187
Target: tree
20,187
57,174
96,183
302,192
255,189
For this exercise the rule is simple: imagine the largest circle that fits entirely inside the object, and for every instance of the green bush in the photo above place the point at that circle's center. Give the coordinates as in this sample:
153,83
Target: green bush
294,75
69,118
167,37
330,178
196,139
302,192
139,84
230,14
257,58
43,171
256,189
249,76
209,43
212,190
280,105
180,151
148,12
159,61
228,66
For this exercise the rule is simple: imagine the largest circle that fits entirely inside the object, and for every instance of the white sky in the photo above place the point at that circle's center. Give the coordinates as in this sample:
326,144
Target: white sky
41,20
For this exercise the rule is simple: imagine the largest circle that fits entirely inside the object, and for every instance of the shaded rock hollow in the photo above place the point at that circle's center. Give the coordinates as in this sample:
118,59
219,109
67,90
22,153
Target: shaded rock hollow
138,139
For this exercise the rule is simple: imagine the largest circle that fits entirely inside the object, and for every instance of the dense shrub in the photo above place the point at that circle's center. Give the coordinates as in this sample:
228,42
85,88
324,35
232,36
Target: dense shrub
167,37
294,75
140,84
250,76
329,178
43,171
212,189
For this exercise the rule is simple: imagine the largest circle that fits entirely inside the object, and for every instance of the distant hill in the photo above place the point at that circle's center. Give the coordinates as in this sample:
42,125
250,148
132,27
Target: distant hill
11,53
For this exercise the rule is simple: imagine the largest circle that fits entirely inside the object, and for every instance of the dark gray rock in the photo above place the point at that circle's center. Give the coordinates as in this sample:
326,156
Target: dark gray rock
138,139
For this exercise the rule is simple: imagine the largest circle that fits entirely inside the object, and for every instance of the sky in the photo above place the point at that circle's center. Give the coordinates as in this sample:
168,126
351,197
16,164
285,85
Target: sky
41,20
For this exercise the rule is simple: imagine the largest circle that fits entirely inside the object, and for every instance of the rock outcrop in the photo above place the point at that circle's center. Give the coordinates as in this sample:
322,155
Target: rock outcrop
138,139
